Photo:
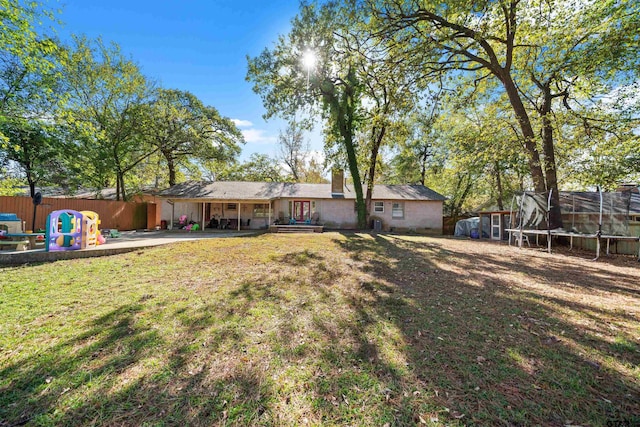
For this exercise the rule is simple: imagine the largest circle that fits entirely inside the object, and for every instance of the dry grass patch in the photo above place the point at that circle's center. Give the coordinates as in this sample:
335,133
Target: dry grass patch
331,329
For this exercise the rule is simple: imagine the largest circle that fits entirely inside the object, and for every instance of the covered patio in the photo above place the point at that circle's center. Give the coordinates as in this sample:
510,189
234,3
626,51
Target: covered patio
246,205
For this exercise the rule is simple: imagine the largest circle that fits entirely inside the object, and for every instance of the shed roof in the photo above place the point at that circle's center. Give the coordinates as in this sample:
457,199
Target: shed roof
264,191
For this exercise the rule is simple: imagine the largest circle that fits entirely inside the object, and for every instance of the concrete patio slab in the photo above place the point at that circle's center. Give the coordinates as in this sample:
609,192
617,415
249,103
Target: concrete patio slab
127,242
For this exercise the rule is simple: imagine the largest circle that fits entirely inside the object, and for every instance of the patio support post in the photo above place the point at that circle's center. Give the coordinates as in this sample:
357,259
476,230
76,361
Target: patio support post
202,225
521,225
549,221
269,223
173,210
239,210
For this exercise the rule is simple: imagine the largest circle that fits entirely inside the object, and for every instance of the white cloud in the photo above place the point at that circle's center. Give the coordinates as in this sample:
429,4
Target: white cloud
258,136
242,123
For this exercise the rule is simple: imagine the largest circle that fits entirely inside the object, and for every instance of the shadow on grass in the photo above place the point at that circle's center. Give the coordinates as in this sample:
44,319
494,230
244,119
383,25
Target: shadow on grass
109,346
93,379
499,353
373,330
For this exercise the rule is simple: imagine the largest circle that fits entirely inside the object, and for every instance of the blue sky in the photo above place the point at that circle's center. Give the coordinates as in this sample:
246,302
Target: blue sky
199,46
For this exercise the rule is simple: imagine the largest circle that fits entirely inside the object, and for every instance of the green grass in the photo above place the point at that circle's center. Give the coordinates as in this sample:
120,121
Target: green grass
331,329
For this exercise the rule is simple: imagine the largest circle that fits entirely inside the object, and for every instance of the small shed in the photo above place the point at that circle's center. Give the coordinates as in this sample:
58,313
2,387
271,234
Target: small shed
498,221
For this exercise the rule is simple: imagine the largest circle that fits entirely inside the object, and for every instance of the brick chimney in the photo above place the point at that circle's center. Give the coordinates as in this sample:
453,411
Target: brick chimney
337,181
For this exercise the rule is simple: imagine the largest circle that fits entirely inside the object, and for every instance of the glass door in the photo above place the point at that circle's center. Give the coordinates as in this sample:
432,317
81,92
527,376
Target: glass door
496,227
301,210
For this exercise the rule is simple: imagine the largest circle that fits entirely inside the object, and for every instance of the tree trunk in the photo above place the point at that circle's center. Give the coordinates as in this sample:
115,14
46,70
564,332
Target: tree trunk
423,165
32,185
535,167
343,110
373,159
456,206
551,177
500,196
347,134
172,170
122,189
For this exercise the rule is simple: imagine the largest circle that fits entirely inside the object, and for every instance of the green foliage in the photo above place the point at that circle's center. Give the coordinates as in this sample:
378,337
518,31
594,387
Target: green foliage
184,130
259,167
27,59
293,150
31,145
107,101
525,49
335,86
9,185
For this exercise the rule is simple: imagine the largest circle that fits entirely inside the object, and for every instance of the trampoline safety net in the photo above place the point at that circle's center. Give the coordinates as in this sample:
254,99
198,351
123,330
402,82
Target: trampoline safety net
582,212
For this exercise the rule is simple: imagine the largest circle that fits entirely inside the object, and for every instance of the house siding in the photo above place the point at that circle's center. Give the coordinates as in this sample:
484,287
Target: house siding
338,214
425,216
418,216
193,211
422,207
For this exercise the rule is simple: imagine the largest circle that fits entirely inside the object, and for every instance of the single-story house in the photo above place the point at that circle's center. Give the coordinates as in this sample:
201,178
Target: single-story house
257,205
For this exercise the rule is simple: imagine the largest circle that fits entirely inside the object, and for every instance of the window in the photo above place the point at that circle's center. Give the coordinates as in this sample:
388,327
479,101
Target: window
397,211
261,210
232,207
378,207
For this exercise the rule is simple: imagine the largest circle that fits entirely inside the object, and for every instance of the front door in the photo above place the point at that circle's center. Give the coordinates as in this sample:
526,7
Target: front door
301,210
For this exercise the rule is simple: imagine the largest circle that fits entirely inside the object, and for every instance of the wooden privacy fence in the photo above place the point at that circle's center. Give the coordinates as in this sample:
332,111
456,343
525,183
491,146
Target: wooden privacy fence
113,214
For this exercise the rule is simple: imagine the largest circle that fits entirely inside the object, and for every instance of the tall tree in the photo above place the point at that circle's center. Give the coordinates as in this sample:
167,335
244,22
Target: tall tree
29,91
358,92
313,172
26,57
525,46
414,151
331,85
259,167
293,150
107,97
31,145
184,130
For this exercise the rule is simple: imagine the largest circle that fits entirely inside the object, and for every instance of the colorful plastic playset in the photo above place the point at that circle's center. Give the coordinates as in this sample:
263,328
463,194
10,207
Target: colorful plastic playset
69,230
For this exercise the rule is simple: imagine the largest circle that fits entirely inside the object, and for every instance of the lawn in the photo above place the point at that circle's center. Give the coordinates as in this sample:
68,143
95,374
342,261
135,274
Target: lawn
322,329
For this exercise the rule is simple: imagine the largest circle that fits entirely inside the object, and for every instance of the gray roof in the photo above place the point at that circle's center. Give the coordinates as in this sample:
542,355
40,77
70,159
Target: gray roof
223,190
405,192
235,190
